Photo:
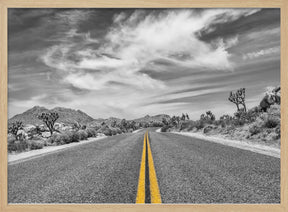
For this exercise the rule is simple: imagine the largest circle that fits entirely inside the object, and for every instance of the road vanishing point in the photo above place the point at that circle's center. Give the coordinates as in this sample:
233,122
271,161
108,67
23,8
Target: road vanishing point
146,167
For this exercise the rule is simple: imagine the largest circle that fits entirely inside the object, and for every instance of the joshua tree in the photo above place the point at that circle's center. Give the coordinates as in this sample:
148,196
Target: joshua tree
238,98
183,117
18,125
209,116
49,119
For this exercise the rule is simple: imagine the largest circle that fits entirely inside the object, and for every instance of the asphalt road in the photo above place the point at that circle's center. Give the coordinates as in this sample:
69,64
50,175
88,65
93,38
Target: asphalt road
107,171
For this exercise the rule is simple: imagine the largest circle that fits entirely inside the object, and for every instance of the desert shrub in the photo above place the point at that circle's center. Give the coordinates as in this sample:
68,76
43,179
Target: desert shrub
82,134
34,144
230,129
55,139
118,130
17,146
208,129
74,137
11,145
157,124
274,110
225,120
199,124
11,139
91,132
226,117
208,118
113,131
273,136
65,138
164,128
254,129
242,117
238,122
106,131
190,124
222,123
271,122
252,114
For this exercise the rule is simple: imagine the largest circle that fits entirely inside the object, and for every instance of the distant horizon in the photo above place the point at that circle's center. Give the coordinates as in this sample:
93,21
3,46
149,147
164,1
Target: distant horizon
90,115
129,63
171,115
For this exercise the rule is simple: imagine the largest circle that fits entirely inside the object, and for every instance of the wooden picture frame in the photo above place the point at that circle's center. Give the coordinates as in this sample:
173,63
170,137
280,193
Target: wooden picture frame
282,4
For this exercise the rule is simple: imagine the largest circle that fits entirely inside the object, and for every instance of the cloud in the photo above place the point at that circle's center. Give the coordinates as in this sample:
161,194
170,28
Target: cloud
135,41
261,53
98,81
142,38
130,62
225,16
73,17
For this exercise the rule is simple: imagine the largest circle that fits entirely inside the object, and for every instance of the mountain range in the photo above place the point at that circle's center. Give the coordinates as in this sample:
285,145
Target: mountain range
66,115
70,116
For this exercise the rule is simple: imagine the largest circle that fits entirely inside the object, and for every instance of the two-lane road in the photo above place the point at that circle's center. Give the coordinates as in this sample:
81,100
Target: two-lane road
187,170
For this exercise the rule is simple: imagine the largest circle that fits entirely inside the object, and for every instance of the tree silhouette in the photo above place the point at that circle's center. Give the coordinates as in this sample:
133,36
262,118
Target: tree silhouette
183,117
238,98
209,116
49,119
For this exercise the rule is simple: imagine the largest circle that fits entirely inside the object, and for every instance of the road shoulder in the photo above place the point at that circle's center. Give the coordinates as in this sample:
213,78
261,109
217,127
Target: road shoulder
23,156
258,148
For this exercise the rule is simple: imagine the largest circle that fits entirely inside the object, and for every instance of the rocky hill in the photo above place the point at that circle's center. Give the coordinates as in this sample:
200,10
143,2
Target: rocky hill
99,121
66,115
156,118
70,116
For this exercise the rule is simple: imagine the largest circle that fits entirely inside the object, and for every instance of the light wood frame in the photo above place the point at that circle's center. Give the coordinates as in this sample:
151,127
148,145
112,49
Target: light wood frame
282,4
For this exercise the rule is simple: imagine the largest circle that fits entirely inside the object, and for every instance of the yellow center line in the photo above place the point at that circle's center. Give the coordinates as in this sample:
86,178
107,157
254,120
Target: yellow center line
141,182
154,188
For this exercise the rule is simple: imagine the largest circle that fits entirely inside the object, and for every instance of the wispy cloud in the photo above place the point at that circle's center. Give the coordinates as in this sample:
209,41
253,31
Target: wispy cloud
131,62
135,42
261,53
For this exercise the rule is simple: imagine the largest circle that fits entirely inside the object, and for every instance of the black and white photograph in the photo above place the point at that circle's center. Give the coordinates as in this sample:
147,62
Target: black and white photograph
144,106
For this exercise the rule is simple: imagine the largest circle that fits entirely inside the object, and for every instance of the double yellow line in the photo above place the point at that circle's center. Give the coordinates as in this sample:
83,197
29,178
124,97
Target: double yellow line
154,189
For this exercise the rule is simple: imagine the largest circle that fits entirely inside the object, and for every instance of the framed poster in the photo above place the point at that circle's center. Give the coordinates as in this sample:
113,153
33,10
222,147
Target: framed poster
143,106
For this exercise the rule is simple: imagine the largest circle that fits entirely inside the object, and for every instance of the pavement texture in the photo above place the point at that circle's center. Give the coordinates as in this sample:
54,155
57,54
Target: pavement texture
105,171
196,171
188,170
